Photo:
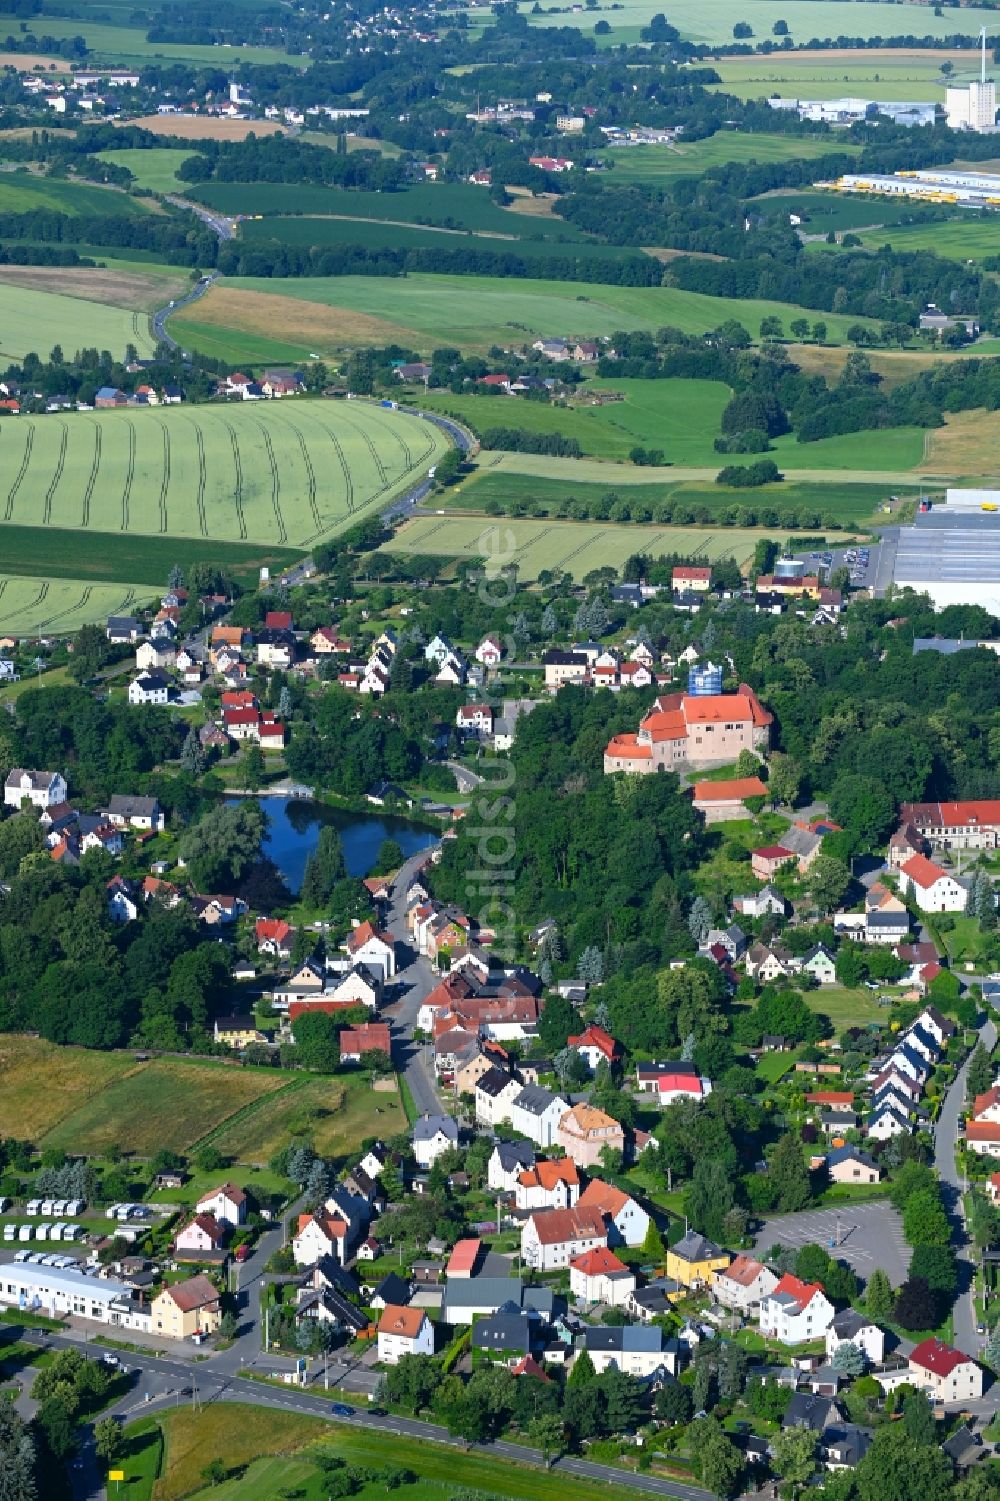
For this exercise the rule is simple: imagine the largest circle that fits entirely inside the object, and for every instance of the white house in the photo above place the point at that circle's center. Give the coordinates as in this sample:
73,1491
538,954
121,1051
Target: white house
122,905
627,1221
438,650
372,948
852,1328
536,1113
819,963
945,1373
548,1184
227,1202
403,1331
432,1136
635,1349
599,1277
496,1092
154,654
202,1234
489,651
508,1161
795,1311
319,1235
42,789
933,889
743,1284
552,1238
151,688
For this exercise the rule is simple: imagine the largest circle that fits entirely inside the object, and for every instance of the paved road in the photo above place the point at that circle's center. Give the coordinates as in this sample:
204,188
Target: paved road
223,227
160,333
415,979
945,1143
467,780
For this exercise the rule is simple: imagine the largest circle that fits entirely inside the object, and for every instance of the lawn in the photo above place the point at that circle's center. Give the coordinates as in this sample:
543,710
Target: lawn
774,1066
155,170
20,193
35,606
58,553
970,239
575,547
41,1083
822,211
127,47
165,1103
848,1008
33,322
661,164
473,312
269,473
963,941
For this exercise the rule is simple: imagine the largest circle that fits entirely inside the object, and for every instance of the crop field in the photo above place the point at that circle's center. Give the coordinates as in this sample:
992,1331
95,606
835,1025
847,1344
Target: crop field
40,1082
261,473
165,1103
40,606
968,446
33,321
969,239
138,289
659,164
472,312
20,193
574,547
203,128
881,74
126,46
155,170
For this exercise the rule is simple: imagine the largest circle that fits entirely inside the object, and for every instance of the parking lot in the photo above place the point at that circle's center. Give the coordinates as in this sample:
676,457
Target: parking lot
865,1235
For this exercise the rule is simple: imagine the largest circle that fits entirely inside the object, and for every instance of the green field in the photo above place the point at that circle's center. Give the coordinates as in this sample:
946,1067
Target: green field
711,21
880,75
93,557
32,606
475,312
264,473
21,193
574,547
658,164
823,211
154,169
33,321
126,46
960,240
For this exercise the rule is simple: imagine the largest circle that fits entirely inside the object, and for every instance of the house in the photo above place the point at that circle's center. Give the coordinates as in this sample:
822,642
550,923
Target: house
186,1309
633,1349
599,1277
720,802
765,964
109,396
685,576
122,630
373,949
151,688
504,1336
986,1106
838,1100
42,789
274,936
932,888
944,1373
768,902
983,1138
403,1331
496,1091
743,1284
432,1136
551,1183
202,1235
227,1202
371,1037
508,1160
552,1238
964,1448
692,730
537,1113
671,1081
852,1328
887,1120
392,1291
489,651
769,859
584,1131
122,904
135,812
595,1046
795,1311
810,1410
693,1259
319,1235
820,963
462,1261
475,719
564,667
238,1032
628,1222
971,824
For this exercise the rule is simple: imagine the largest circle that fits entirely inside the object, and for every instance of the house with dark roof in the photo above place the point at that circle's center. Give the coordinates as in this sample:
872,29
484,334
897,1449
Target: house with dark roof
504,1335
634,1349
850,1165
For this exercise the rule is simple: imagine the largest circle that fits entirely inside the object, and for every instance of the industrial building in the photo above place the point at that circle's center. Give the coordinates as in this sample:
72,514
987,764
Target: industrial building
59,1292
847,111
933,185
973,106
952,554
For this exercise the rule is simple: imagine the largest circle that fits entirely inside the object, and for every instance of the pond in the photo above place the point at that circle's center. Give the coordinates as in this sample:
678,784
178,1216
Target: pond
294,825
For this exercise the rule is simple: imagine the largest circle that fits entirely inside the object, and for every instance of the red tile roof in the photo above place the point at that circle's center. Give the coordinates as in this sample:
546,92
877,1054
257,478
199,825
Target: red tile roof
402,1321
802,1292
553,1226
596,1037
921,871
937,1357
463,1258
733,790
549,1172
598,1262
745,1270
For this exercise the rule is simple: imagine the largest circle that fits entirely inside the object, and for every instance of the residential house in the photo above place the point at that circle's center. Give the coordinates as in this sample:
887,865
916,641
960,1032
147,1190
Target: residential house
633,1349
768,902
933,889
671,1081
404,1331
599,1277
944,1373
151,688
185,1309
628,1223
154,655
475,719
274,936
769,859
552,1238
227,1203
742,1285
973,824
693,1259
371,1037
537,1113
595,1046
564,667
201,1236
764,963
496,1092
122,904
238,1032
850,1165
820,963
319,1235
550,1183
795,1311
122,630
42,789
504,1336
852,1328
584,1131
691,576
489,651
432,1136
376,950
135,812
887,1120
508,1160
720,802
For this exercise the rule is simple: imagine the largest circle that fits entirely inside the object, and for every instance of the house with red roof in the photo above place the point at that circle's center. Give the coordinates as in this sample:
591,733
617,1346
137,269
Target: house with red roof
552,1238
671,1081
370,1037
743,1284
372,948
696,730
628,1222
552,1183
278,620
769,859
599,1277
318,1235
595,1046
201,1236
933,888
462,1261
983,1138
944,1373
986,1106
274,936
719,802
973,824
688,576
795,1311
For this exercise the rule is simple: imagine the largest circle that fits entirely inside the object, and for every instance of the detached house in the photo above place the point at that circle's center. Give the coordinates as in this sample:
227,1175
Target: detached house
933,889
585,1131
795,1311
367,946
852,1328
944,1373
599,1277
693,1259
319,1235
537,1113
552,1238
744,1284
403,1331
627,1221
548,1184
595,1046
432,1136
42,789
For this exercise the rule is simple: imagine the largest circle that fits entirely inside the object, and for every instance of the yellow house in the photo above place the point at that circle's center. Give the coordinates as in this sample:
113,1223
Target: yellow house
693,1260
187,1308
238,1032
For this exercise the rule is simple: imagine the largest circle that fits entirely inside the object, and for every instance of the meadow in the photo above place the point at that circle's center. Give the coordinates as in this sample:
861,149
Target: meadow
20,193
575,547
336,1115
267,473
822,211
40,1083
472,312
40,606
155,169
124,46
881,74
970,239
34,321
92,557
661,164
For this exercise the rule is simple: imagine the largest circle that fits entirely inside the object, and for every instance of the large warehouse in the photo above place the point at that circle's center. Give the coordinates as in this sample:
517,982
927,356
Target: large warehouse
952,554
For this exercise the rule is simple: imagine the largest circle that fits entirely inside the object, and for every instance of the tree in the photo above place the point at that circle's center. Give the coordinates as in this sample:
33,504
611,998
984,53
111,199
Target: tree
674,1403
91,651
324,868
559,1020
251,768
583,1372
783,780
546,1432
849,1358
714,1458
788,1173
819,332
590,965
924,1220
107,1438
918,1419
980,1074
17,1454
793,1455
770,327
828,882
879,1296
916,1305
222,846
936,1265
652,1244
317,1042
699,918
897,1469
865,808
214,1473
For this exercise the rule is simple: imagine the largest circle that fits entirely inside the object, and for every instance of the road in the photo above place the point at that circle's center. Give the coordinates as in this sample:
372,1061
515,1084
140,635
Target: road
160,317
223,227
946,1139
165,1381
467,780
416,978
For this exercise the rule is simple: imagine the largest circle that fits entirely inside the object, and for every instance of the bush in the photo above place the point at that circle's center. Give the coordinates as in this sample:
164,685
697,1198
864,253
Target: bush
749,476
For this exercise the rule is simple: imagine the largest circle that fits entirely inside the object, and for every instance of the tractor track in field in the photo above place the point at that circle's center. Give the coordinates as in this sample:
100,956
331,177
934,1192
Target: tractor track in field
345,467
310,479
78,604
275,484
19,477
383,473
129,475
202,479
54,484
91,478
43,591
165,481
238,496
